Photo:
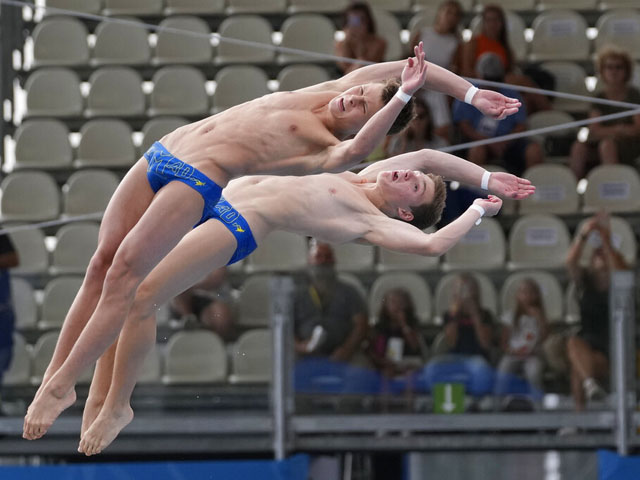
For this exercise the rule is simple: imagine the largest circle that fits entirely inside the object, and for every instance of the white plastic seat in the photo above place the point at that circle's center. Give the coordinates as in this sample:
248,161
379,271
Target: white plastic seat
75,245
559,35
552,118
620,28
515,32
156,128
196,356
567,4
24,303
293,77
253,28
115,91
121,44
388,27
538,241
60,41
552,295
488,295
482,248
179,90
306,31
622,239
569,78
414,284
237,84
254,303
19,203
31,249
88,191
555,190
615,188
252,357
83,6
58,297
193,7
127,7
316,6
42,144
106,143
279,251
53,92
151,368
19,371
353,257
255,6
174,47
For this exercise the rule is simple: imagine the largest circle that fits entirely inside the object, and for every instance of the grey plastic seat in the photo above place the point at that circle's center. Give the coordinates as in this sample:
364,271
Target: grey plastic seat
255,6
60,41
620,28
569,78
53,92
58,297
251,357
615,188
309,32
42,144
106,143
559,35
41,355
196,356
34,258
567,4
391,5
127,7
156,128
151,372
237,84
75,245
20,204
279,251
19,371
253,28
83,6
174,47
179,90
555,190
538,241
388,27
353,257
414,284
444,290
509,4
88,191
316,6
552,295
482,248
24,303
121,43
115,91
193,7
293,77
255,302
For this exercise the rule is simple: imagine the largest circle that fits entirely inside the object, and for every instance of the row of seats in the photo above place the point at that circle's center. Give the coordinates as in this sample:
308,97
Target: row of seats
189,357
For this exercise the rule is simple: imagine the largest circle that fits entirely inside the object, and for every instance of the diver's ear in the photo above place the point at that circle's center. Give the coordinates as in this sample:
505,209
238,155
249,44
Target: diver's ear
405,215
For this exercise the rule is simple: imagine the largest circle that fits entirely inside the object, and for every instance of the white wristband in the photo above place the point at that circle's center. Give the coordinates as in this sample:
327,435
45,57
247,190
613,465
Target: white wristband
485,180
405,97
480,210
468,97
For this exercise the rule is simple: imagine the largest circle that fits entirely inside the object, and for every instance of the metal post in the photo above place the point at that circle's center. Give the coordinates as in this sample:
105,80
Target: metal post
281,290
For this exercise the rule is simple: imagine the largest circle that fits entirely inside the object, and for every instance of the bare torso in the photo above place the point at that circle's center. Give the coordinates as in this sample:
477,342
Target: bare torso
274,134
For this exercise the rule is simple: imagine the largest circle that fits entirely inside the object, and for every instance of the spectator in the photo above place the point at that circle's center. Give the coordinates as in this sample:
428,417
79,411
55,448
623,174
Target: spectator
396,345
514,155
524,330
613,141
329,315
361,41
8,259
210,303
588,351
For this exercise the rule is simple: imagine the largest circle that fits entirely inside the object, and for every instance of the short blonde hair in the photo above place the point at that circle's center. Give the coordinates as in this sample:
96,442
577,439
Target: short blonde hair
612,52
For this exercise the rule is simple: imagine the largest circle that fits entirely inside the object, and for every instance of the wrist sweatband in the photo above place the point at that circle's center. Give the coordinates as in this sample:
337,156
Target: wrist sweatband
405,97
485,180
480,210
468,97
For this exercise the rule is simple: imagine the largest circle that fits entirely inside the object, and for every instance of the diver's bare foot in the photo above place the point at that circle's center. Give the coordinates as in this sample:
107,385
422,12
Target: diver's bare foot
91,410
104,430
43,412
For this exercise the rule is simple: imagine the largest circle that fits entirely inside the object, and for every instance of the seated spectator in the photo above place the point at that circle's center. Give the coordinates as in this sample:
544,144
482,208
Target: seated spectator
515,155
524,330
361,41
588,351
8,259
396,345
210,304
613,141
329,315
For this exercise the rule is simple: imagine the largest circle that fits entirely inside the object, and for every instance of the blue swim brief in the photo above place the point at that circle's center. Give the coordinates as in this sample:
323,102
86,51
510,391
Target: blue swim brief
164,168
238,226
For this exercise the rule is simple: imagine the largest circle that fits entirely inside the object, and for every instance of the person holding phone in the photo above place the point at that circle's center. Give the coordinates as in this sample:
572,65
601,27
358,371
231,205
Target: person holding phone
361,40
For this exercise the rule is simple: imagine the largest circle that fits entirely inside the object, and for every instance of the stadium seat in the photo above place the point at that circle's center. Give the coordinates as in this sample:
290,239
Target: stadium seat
610,4
306,31
19,371
179,90
555,190
196,356
352,257
42,144
316,6
279,252
388,27
354,282
552,118
106,143
252,28
193,7
538,241
294,77
482,248
152,367
254,303
508,4
389,260
622,238
488,295
615,188
18,202
567,4
515,33
400,6
569,78
256,6
414,284
559,35
24,303
252,357
127,7
41,355
32,252
88,191
75,245
60,41
238,84
115,91
83,6
420,4
121,44
552,296
174,47
156,128
620,28
58,297
53,92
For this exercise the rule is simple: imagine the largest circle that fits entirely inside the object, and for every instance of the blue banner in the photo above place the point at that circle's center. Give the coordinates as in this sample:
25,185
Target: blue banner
614,467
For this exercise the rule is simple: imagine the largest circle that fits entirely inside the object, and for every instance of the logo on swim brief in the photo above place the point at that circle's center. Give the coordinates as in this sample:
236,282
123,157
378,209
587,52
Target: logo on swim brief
198,182
238,228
